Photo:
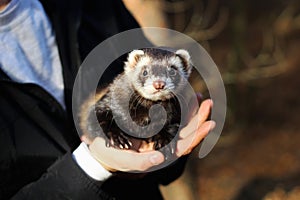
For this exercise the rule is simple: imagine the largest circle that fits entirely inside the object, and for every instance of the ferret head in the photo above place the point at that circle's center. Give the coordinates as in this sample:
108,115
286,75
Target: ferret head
157,74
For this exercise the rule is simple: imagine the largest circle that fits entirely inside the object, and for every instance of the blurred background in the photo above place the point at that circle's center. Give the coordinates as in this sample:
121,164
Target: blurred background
256,46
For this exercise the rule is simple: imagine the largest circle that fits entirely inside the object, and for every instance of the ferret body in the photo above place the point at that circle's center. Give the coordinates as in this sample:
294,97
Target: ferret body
151,76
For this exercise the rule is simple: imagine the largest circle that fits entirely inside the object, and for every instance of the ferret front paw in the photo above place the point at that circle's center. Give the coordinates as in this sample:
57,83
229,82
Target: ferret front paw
165,145
118,140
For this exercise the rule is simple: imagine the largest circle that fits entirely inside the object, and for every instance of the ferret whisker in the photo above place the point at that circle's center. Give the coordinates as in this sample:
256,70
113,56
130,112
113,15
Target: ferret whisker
136,103
140,101
131,106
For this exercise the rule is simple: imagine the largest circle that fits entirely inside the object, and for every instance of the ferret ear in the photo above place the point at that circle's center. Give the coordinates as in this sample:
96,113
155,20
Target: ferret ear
183,54
134,57
186,60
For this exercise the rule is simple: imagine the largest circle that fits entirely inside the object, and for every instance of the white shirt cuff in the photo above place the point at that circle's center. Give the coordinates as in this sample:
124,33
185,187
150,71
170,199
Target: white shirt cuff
89,164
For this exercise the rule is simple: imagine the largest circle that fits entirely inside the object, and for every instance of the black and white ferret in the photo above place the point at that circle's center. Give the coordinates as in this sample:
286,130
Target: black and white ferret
151,76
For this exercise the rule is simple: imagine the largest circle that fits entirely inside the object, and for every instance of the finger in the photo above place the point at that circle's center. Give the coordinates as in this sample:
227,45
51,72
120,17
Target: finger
198,119
201,133
194,106
124,160
204,110
186,145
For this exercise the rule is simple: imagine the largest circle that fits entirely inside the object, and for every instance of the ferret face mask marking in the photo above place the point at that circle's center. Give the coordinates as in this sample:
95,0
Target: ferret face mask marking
158,74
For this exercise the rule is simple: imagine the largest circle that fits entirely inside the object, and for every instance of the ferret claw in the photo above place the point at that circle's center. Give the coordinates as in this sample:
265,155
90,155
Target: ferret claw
130,143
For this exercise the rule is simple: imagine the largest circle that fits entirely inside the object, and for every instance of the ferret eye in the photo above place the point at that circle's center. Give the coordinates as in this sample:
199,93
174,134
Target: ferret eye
172,71
145,73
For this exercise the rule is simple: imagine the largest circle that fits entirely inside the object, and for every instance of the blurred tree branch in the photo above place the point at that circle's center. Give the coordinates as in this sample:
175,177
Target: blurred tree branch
209,19
206,20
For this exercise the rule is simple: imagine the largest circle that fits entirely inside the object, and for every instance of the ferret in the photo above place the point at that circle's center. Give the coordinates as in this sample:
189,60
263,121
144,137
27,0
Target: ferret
152,76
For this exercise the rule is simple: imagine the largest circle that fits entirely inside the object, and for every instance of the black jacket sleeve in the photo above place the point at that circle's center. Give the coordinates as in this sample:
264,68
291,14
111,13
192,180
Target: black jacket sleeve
63,180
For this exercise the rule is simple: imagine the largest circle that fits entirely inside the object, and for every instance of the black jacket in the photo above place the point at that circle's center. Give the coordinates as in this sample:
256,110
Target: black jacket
37,136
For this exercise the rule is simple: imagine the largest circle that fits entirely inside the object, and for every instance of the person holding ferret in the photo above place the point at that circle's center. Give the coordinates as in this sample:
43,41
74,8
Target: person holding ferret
42,44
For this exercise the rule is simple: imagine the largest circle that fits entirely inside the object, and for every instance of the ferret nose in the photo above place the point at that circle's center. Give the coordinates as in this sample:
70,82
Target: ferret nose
159,85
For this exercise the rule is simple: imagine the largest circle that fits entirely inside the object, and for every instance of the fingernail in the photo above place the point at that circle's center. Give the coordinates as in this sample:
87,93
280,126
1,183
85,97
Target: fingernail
212,125
155,159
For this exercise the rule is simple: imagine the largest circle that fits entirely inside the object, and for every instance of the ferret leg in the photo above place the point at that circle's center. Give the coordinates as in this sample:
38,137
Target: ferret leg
165,142
118,139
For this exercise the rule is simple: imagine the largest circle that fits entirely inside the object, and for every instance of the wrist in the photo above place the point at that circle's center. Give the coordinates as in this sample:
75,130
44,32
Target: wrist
109,169
89,164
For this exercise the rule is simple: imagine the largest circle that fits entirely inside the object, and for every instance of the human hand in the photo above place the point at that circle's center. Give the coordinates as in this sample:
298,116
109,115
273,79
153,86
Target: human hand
196,130
141,160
